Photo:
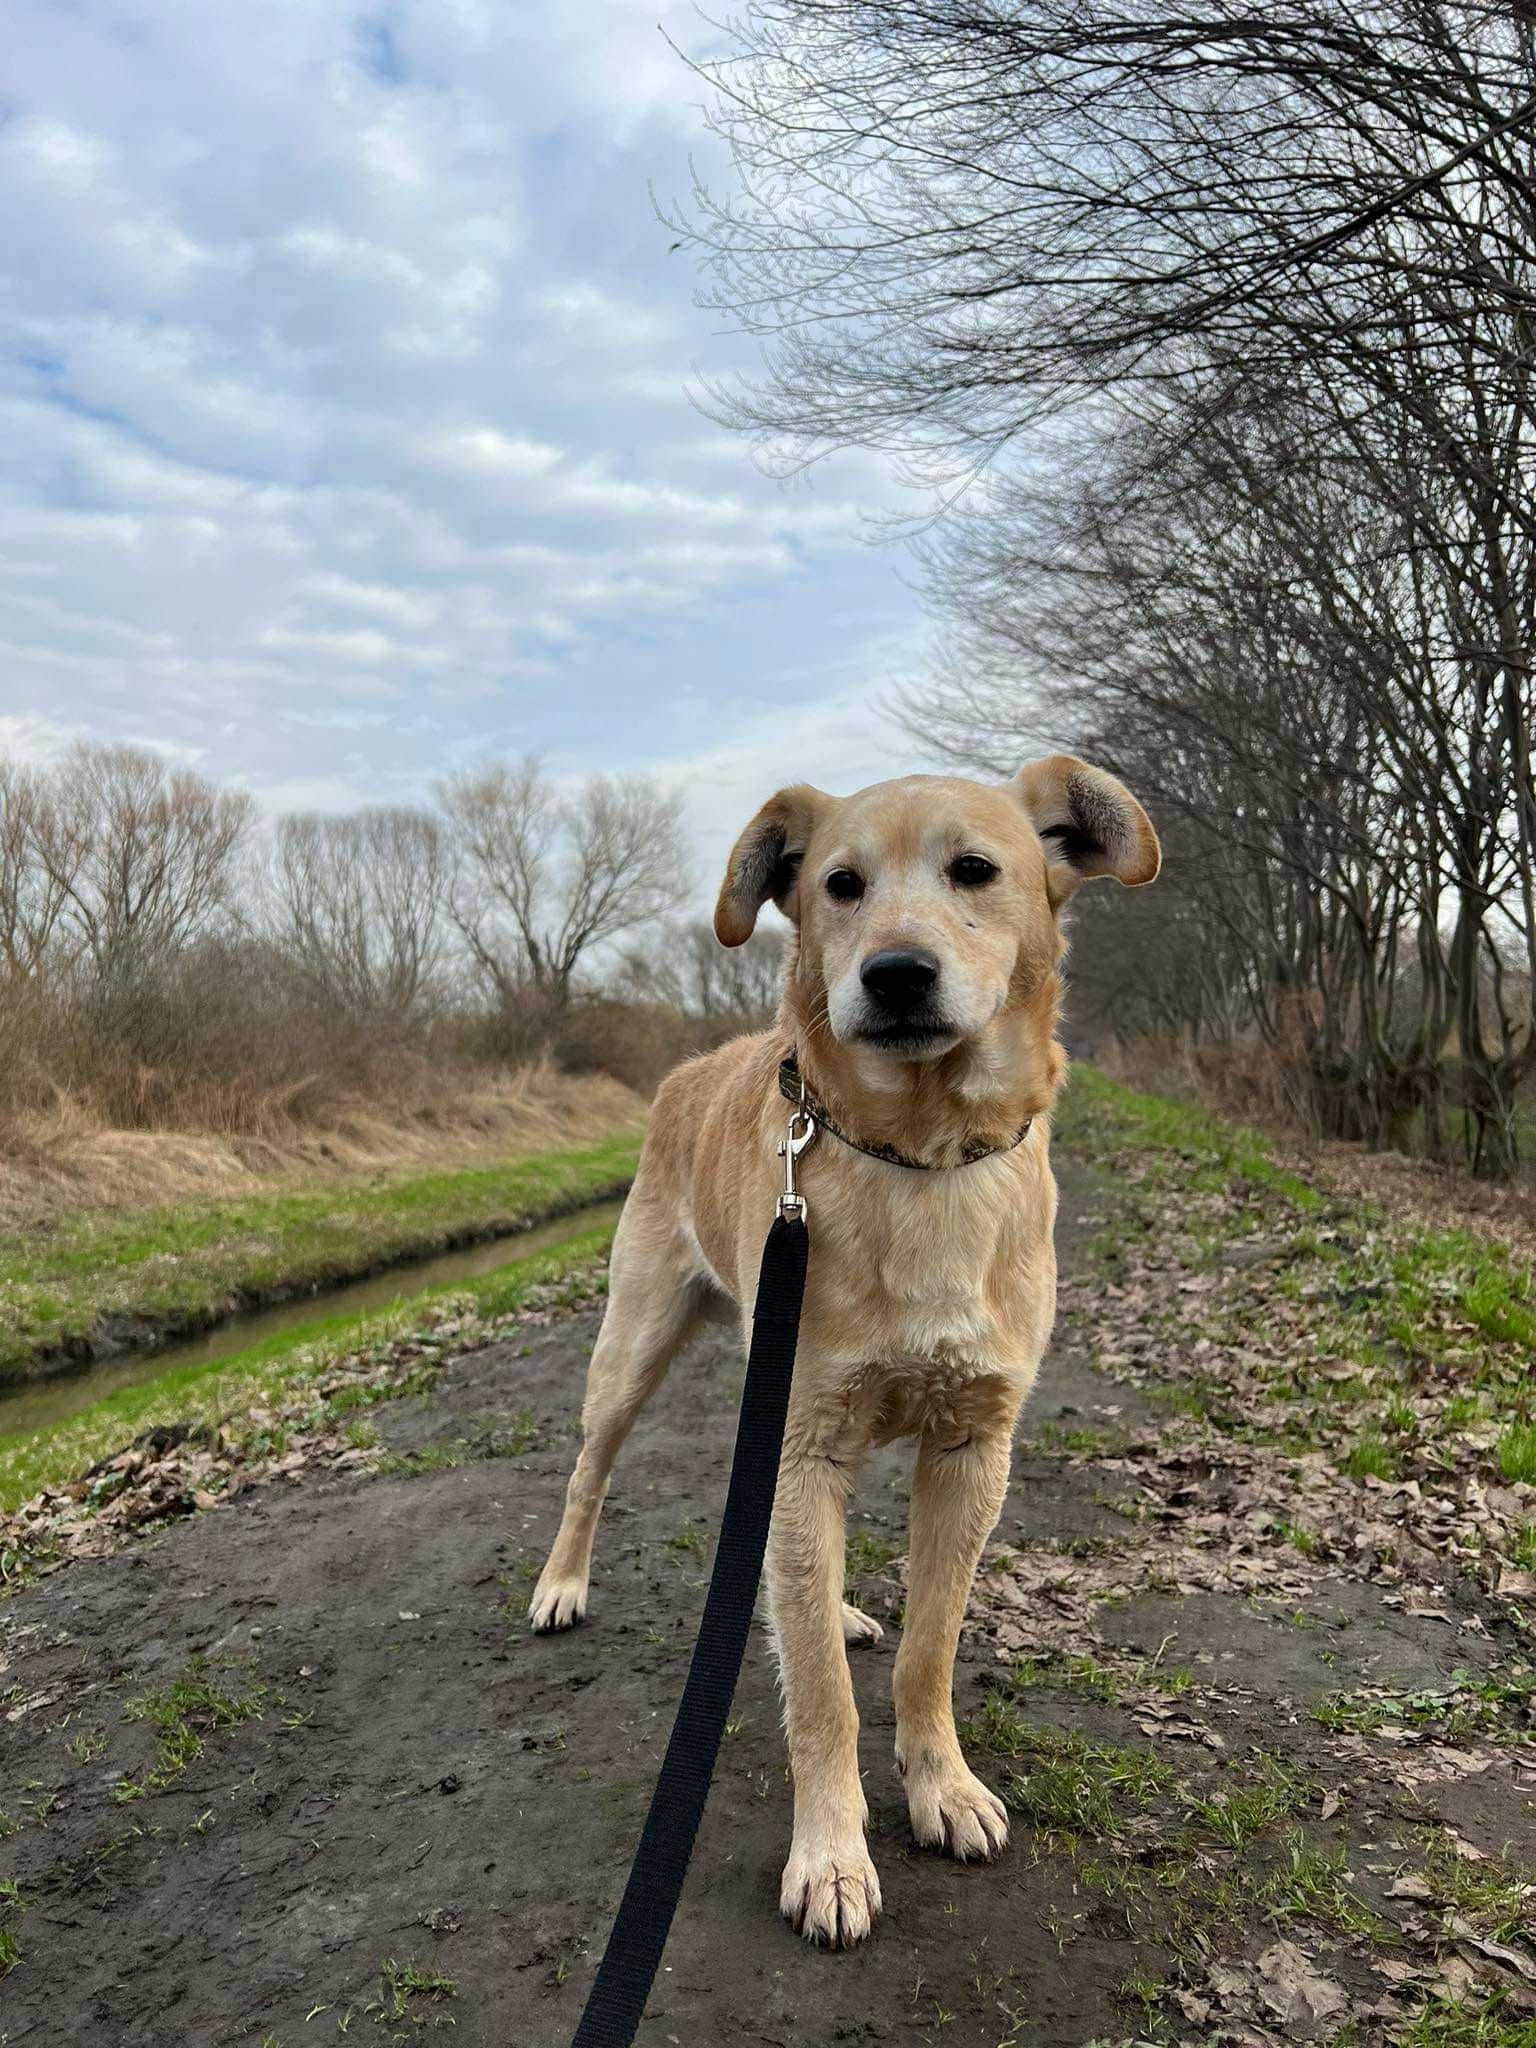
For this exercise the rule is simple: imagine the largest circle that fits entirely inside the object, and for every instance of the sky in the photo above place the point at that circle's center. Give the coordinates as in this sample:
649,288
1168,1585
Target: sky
345,429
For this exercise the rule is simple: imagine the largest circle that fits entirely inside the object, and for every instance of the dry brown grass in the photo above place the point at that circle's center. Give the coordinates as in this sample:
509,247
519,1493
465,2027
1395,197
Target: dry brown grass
639,1043
63,1156
1244,1080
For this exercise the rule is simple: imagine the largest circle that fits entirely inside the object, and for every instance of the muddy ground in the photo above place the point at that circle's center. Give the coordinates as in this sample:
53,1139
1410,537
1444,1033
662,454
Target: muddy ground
410,1793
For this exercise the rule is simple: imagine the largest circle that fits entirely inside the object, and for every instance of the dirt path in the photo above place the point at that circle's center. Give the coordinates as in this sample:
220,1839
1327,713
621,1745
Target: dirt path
358,1781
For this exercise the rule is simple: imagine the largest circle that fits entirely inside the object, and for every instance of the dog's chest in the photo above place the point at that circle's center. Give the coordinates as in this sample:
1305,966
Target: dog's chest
938,1269
939,1310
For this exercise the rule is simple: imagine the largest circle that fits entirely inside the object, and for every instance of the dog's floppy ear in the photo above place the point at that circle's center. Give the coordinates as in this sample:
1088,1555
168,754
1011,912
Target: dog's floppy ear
765,861
1090,825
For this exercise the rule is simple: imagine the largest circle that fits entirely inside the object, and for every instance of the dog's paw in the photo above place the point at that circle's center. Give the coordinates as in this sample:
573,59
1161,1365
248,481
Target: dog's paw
557,1603
831,1894
859,1627
953,1810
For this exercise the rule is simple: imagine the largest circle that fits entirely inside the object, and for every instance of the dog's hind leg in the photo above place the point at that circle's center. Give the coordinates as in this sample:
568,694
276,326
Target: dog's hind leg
859,1627
656,1300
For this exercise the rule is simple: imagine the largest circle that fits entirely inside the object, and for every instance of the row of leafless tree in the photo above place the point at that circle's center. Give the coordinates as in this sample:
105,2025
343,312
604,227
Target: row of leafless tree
1233,315
150,918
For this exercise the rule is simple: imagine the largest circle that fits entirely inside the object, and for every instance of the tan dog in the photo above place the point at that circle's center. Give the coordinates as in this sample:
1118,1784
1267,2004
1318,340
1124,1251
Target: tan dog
921,1000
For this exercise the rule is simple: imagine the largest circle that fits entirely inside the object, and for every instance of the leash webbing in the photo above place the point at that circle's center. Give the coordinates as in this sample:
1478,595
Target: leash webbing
633,1955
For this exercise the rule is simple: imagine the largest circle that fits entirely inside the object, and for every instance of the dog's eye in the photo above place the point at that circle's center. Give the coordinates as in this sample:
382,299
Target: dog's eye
844,886
972,871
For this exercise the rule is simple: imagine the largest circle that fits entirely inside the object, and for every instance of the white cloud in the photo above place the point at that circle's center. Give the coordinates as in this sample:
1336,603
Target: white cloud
33,739
365,646
487,452
378,600
343,433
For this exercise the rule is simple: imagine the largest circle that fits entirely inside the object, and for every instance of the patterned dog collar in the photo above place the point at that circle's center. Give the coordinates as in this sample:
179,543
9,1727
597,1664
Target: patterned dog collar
793,1088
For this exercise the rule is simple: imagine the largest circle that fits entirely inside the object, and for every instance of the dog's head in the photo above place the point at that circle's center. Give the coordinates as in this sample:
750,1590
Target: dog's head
927,908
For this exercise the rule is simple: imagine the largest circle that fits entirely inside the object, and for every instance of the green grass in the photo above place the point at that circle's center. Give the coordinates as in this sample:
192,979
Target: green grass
404,1989
1185,1145
1179,1863
12,1906
1501,1705
447,1454
1436,1326
189,1264
193,1707
212,1394
867,1554
510,1438
1316,1885
1237,1814
690,1539
1063,1783
87,1746
1489,1289
1178,1866
1496,1895
1475,2022
1080,1674
1370,1456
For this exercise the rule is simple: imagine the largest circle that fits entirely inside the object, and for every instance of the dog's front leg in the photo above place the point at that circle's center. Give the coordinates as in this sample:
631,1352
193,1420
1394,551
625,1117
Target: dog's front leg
957,1496
830,1892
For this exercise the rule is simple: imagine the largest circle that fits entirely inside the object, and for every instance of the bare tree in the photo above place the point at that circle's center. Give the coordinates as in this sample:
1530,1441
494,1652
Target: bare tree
955,216
359,902
743,982
1270,638
542,881
690,969
31,898
141,856
1271,277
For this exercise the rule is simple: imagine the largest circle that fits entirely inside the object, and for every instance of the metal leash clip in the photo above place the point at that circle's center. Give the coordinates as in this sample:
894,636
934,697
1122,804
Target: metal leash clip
802,1132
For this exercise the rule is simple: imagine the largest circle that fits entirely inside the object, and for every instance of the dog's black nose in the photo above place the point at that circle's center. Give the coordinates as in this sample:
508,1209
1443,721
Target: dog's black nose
901,976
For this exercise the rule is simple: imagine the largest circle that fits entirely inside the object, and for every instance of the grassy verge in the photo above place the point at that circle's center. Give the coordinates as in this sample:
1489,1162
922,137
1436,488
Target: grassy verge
1197,1857
1178,1145
237,1394
1237,1292
187,1266
1393,1289
1332,1395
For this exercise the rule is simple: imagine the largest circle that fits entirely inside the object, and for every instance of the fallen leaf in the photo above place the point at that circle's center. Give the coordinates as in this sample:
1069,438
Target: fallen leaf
1296,1993
1500,1952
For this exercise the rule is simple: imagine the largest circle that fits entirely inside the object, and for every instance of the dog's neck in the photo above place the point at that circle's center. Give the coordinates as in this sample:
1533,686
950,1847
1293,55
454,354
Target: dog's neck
978,1096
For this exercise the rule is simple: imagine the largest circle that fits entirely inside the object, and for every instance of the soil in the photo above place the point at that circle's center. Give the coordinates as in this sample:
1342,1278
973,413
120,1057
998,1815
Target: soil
425,1784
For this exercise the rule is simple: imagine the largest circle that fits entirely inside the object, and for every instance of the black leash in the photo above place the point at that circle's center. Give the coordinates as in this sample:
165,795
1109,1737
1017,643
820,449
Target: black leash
630,1962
